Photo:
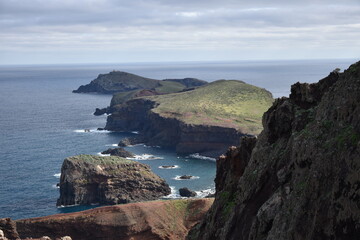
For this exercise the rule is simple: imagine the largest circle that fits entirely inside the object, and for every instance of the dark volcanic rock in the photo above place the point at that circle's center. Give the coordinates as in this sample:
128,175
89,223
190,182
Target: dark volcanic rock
168,166
185,177
131,141
157,220
87,179
99,112
9,228
300,178
185,192
120,152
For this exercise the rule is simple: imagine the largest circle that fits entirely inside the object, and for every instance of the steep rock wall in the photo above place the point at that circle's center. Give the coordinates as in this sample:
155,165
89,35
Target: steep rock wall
301,179
136,115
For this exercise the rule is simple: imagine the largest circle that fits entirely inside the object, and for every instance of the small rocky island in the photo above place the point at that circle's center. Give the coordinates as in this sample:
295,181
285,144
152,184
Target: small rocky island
88,179
118,81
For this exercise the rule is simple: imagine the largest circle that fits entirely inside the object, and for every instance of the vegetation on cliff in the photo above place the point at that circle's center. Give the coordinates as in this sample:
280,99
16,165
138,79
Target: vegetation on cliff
300,178
88,179
225,103
118,81
206,120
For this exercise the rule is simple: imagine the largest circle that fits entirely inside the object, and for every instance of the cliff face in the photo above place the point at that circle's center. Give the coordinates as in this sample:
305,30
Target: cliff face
206,120
300,178
157,220
87,179
136,115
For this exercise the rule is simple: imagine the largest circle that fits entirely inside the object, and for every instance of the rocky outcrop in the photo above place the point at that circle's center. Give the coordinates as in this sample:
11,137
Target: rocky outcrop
119,152
101,111
300,178
185,192
8,228
130,141
117,81
136,115
87,179
158,220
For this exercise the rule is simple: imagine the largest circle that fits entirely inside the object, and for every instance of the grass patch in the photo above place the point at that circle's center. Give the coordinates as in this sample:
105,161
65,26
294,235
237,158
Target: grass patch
231,103
99,160
169,87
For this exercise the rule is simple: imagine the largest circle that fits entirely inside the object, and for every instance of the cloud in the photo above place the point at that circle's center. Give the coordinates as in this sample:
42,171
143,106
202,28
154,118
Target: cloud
173,26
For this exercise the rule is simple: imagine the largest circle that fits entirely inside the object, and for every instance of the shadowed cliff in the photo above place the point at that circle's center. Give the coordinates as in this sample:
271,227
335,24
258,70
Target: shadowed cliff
300,178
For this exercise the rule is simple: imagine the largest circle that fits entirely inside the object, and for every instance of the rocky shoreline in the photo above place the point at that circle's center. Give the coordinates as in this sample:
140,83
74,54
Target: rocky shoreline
156,130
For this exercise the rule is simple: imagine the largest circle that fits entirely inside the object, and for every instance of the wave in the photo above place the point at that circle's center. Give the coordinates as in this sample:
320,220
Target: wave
55,186
173,194
103,155
135,132
198,156
204,193
91,131
169,167
57,175
145,157
191,178
112,145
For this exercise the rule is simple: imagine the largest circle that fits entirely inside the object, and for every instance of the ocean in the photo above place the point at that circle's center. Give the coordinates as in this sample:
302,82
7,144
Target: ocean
42,122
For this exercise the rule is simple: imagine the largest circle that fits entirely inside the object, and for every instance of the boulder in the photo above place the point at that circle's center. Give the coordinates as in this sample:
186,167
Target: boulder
185,192
88,179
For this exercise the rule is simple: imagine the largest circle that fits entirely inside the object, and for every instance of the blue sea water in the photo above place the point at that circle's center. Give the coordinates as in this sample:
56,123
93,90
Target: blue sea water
42,122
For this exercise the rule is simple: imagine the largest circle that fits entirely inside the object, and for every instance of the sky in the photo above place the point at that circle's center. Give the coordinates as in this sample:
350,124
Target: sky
110,31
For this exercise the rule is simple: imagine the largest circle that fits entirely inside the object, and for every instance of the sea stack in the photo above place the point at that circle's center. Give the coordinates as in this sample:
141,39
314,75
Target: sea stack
88,179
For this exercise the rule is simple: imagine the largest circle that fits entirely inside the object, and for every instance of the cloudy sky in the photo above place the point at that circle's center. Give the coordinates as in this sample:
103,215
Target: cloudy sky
104,31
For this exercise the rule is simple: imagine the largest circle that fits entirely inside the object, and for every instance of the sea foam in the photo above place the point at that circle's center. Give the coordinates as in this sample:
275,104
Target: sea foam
179,178
198,156
145,157
57,175
169,167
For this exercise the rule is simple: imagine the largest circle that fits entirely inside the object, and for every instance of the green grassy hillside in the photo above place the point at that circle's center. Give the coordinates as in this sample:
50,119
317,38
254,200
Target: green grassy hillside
226,103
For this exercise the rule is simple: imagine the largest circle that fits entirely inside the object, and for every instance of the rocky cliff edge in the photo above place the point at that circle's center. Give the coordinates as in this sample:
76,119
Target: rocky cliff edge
300,178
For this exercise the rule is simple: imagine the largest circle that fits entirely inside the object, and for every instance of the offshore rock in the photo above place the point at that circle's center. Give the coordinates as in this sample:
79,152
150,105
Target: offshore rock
119,152
185,192
88,179
157,220
300,178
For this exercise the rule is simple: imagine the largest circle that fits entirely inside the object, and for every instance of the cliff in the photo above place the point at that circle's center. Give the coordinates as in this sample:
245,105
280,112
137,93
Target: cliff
206,120
300,178
87,179
158,220
118,81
